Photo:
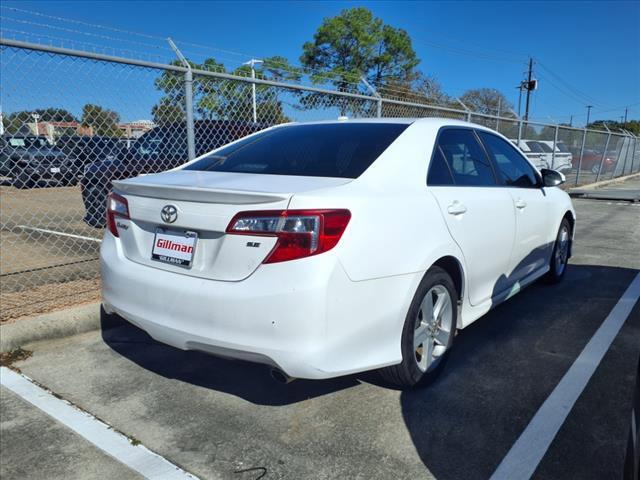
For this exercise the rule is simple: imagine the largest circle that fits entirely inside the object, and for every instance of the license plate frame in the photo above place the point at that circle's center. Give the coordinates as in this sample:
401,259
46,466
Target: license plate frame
54,170
170,254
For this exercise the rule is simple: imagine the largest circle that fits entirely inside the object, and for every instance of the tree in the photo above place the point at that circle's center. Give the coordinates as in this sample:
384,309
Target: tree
487,101
353,45
424,89
104,122
222,99
165,112
632,126
16,122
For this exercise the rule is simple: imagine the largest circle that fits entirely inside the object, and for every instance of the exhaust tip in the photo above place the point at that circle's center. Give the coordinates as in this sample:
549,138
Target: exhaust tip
281,377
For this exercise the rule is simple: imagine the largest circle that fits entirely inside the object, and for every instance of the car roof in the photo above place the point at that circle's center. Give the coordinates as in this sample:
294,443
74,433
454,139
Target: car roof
433,121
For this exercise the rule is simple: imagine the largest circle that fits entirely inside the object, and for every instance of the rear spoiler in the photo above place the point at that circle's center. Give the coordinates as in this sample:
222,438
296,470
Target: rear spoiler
195,194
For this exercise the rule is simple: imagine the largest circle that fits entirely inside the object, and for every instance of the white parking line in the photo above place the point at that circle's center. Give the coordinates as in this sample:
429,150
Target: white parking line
62,234
136,457
527,452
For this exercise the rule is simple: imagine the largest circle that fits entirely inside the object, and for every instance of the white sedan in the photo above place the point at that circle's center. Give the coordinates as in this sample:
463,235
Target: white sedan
324,249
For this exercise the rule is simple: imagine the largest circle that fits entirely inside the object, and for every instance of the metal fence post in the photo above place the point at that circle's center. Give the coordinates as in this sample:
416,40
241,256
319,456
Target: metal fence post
188,104
188,101
584,139
519,132
604,155
626,143
465,109
375,94
555,142
633,156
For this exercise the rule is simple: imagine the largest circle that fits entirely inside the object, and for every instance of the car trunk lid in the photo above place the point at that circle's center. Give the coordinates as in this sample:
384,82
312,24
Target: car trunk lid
205,203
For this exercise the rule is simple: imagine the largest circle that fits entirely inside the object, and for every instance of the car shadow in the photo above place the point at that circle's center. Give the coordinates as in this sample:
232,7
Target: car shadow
249,381
503,367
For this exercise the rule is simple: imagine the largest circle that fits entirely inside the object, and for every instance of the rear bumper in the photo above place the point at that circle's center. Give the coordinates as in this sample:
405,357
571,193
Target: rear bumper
305,317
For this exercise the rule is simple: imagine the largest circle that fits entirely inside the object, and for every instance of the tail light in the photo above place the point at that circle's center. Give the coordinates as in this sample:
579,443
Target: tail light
117,206
300,233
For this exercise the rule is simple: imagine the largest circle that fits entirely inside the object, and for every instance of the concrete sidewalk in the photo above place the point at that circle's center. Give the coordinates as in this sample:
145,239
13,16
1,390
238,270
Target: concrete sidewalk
627,190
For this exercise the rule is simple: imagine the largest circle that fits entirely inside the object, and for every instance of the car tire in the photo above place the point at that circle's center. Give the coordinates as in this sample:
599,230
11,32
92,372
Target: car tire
595,169
23,181
436,286
560,254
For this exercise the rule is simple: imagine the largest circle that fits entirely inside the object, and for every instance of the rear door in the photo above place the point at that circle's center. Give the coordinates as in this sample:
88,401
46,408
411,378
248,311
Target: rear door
531,250
479,213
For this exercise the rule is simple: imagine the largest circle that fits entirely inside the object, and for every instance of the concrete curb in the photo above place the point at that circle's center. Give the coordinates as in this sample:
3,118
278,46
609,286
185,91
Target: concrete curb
603,182
63,323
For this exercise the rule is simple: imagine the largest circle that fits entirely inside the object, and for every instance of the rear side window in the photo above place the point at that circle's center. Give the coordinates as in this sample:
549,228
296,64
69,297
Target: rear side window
545,148
466,158
514,169
323,150
535,147
439,173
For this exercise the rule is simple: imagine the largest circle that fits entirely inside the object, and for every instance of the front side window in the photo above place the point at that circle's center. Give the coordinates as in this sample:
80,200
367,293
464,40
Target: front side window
514,169
322,150
466,158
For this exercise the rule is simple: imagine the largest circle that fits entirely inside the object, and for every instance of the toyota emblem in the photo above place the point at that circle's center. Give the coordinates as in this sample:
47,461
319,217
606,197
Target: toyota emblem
169,213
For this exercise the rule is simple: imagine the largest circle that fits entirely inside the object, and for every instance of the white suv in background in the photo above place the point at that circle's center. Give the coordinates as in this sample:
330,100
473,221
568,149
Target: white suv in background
561,158
328,248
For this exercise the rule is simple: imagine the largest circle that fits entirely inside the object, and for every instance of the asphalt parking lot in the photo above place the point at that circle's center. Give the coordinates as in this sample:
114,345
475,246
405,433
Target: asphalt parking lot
226,419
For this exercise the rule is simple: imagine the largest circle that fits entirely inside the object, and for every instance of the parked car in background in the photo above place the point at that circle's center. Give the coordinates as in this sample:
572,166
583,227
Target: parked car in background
329,248
541,154
28,160
159,149
591,160
559,157
532,151
83,150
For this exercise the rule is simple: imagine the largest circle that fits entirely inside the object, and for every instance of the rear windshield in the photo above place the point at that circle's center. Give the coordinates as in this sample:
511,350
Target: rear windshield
562,147
323,150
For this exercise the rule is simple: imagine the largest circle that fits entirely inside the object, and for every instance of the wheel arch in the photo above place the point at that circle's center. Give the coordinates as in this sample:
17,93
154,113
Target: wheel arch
453,267
570,216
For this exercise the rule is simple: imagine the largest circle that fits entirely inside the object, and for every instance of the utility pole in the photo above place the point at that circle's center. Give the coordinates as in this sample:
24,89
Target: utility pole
626,110
519,87
571,121
589,107
530,86
252,64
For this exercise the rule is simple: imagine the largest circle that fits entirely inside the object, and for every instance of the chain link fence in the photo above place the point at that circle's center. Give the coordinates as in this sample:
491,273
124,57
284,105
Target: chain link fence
74,121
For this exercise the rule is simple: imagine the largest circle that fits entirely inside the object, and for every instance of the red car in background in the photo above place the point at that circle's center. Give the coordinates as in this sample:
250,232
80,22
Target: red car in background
591,161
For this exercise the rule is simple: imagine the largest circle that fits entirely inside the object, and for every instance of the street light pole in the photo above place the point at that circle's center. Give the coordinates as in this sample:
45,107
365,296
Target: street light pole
36,116
252,64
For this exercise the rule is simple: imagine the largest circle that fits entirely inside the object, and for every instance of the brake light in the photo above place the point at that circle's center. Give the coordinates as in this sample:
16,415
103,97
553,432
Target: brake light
300,233
117,206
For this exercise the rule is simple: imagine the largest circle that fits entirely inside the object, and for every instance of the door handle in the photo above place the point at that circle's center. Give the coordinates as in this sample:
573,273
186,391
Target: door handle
456,208
520,204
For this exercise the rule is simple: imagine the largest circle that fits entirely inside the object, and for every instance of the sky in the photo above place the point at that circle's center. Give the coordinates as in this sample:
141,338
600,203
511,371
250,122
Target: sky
586,53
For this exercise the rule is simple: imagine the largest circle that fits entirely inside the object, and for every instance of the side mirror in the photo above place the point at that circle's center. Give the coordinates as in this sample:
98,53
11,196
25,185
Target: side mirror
551,178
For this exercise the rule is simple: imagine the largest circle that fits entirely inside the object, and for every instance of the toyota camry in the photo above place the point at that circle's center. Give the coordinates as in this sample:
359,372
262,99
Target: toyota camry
328,248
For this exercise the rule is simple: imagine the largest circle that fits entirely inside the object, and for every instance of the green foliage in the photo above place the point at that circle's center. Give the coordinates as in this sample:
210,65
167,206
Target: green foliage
221,99
632,126
487,101
16,122
104,122
353,45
